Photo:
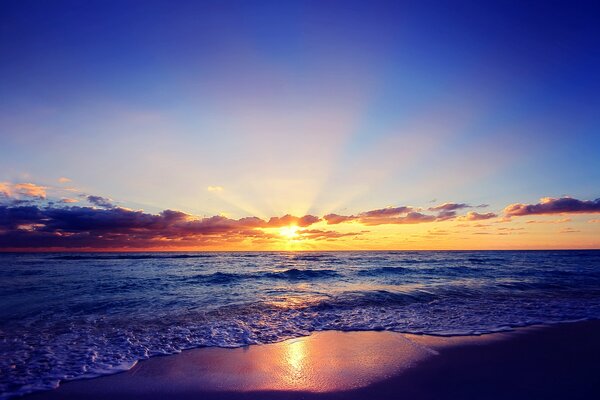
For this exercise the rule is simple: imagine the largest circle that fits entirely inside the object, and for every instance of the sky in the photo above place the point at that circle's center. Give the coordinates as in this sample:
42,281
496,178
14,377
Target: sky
299,125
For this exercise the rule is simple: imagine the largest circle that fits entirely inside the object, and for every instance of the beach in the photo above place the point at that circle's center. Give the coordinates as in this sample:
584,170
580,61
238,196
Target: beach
557,361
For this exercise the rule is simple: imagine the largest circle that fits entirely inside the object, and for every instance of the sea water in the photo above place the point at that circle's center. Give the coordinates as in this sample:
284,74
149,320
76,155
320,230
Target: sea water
69,316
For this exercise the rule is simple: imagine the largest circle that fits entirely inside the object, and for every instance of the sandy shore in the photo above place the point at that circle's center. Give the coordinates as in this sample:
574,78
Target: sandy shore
556,362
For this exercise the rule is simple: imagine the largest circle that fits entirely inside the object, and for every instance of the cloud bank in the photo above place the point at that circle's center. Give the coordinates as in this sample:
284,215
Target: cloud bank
32,226
549,205
29,220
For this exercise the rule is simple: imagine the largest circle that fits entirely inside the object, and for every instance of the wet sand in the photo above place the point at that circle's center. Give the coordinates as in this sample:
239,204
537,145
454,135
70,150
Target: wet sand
555,362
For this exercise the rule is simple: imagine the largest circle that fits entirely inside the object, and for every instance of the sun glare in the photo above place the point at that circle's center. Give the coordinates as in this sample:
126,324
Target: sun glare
289,232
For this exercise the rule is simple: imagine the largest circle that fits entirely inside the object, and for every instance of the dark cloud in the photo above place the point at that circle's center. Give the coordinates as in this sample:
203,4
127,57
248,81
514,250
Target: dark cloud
446,215
13,217
100,201
564,205
33,226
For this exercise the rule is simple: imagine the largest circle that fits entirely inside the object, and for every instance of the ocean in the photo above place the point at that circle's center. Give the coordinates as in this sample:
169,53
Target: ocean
68,316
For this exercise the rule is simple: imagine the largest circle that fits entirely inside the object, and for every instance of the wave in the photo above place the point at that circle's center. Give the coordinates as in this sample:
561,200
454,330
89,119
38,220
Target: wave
384,271
485,260
68,319
302,274
293,274
374,298
112,345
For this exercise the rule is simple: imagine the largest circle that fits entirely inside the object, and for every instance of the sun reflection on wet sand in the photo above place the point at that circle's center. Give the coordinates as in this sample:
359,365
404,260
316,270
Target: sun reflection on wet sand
296,355
322,362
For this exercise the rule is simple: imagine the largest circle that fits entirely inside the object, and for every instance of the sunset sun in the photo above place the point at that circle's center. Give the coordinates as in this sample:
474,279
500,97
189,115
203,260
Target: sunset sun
289,232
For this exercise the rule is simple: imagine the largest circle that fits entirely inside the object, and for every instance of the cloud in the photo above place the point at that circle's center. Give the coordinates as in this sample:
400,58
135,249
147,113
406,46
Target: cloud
410,218
475,216
4,189
554,221
100,201
63,180
30,190
594,221
334,219
22,190
318,234
438,232
287,220
548,205
34,226
388,216
449,207
29,220
386,212
446,215
215,188
568,230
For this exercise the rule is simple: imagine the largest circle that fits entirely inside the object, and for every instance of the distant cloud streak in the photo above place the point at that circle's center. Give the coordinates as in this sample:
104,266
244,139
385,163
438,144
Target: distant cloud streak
449,207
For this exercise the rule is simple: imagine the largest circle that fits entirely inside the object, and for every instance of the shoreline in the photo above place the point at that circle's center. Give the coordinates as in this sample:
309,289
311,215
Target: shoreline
522,363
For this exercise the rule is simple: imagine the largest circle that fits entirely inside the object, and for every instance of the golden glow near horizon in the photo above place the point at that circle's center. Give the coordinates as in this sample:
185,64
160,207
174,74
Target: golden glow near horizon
552,223
289,232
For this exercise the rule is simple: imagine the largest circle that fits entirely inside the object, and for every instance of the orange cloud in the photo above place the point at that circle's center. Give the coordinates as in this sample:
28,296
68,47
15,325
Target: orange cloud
475,216
22,189
4,189
286,220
